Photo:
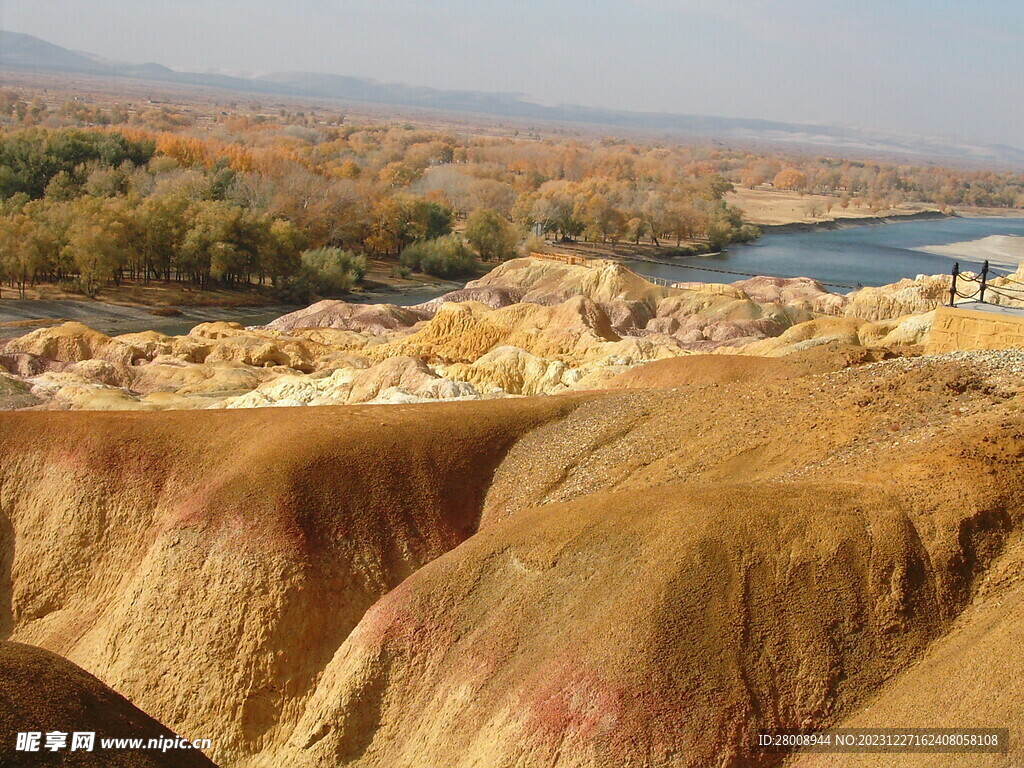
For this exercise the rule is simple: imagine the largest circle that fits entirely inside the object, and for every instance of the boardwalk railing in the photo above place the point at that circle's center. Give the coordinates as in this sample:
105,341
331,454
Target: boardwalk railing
975,286
565,258
661,281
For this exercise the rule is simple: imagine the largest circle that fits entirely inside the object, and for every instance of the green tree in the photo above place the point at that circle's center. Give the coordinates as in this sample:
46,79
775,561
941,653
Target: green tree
97,244
161,224
19,258
224,242
283,253
446,256
333,270
491,234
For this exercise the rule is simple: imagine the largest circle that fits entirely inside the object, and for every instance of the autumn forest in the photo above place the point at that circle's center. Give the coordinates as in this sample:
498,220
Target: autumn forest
296,201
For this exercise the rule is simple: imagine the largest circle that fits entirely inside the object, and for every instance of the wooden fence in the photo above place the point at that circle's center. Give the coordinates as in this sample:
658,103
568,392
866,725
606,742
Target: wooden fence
565,258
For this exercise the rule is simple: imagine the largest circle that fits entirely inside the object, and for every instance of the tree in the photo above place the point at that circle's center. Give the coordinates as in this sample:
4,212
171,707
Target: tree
62,187
96,245
161,224
636,227
751,177
388,227
496,195
491,234
398,175
656,216
223,242
684,222
398,221
603,220
427,220
283,252
790,178
21,251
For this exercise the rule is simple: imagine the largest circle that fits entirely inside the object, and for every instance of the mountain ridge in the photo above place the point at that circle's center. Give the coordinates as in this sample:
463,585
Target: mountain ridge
22,51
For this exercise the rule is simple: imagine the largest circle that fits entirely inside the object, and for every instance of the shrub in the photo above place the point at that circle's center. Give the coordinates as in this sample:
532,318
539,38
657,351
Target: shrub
746,234
532,244
444,256
69,286
299,288
332,270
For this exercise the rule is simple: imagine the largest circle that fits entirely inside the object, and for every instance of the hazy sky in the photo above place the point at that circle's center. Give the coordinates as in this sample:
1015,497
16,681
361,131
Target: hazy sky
927,66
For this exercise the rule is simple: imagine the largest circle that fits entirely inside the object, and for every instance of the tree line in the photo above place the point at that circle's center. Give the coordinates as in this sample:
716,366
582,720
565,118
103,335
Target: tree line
239,201
88,207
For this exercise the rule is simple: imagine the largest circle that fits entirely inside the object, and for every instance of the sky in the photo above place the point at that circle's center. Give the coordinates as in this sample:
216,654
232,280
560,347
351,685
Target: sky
920,66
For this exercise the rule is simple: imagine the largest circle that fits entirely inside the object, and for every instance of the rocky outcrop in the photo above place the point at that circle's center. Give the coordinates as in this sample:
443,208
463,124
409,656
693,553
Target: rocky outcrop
907,297
409,374
540,281
801,292
493,296
515,371
531,326
15,394
70,343
572,330
363,318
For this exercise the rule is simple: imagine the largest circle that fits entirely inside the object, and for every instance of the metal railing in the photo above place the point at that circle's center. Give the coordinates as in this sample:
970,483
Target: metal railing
1009,289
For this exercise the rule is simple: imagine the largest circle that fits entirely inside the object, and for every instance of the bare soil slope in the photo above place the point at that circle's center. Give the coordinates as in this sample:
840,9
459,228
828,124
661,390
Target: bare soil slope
632,578
971,678
702,369
208,565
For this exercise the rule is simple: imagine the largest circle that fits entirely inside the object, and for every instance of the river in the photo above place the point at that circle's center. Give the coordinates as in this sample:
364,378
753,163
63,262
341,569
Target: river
857,255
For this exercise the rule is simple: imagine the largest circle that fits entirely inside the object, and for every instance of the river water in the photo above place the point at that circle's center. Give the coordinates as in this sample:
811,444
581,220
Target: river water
858,255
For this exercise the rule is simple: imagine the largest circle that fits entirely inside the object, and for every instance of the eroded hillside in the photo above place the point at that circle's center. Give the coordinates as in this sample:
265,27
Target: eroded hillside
634,576
530,327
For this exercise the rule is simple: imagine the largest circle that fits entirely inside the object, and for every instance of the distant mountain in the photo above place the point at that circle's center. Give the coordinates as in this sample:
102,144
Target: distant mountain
27,52
24,51
17,50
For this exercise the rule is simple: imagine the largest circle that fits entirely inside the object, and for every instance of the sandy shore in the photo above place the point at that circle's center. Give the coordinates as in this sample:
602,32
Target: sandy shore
776,208
1000,250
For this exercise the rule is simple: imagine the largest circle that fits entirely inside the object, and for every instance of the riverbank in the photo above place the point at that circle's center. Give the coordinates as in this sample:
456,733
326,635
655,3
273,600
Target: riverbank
1005,251
851,221
990,213
857,255
20,316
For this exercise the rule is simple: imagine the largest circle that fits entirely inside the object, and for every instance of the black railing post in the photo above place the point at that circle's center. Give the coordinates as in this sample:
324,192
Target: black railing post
984,281
952,288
